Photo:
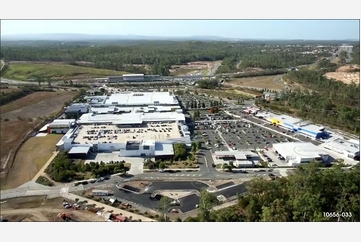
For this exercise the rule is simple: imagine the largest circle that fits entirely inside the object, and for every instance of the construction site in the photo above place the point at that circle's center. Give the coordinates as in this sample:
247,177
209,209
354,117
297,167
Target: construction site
40,209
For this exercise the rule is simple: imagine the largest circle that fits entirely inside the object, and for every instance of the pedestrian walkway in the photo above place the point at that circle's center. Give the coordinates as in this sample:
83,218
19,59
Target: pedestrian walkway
42,170
107,207
150,176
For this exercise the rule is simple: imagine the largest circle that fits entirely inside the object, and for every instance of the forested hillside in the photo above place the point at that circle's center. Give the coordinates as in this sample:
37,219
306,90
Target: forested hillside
303,196
162,54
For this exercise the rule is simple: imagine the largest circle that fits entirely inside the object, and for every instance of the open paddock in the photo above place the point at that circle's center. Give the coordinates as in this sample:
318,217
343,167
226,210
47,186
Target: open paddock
267,82
23,71
37,104
30,159
11,134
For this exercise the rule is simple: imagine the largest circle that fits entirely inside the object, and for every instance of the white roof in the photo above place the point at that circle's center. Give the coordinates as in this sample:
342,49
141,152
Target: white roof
298,149
130,75
79,150
129,118
239,155
346,145
141,98
149,142
163,149
62,121
243,162
102,109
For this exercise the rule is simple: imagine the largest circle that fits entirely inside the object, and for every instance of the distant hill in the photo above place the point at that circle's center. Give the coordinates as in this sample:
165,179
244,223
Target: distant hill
87,37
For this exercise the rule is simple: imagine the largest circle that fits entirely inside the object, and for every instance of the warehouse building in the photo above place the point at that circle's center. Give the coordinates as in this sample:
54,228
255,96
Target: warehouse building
134,99
135,78
296,153
79,152
77,108
133,134
347,148
59,126
297,125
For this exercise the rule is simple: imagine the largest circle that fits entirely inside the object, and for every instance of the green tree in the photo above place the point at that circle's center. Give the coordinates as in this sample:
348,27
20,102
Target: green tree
206,201
162,165
164,206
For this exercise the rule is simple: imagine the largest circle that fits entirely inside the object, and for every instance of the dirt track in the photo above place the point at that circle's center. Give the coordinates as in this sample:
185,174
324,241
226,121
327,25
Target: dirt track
47,215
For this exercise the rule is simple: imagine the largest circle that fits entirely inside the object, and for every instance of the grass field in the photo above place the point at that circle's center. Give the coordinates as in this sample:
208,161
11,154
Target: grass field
30,159
180,72
54,71
37,104
259,82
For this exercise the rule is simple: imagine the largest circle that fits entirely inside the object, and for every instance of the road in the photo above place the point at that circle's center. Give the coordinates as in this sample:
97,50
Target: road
2,64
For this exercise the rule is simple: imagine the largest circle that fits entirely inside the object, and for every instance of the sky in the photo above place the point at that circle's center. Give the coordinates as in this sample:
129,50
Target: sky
243,29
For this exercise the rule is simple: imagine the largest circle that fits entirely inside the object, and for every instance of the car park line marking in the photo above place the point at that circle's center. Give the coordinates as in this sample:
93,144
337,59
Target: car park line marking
188,175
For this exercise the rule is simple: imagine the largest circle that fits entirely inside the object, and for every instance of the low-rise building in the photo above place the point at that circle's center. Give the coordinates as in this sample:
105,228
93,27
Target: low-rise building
296,153
60,126
348,149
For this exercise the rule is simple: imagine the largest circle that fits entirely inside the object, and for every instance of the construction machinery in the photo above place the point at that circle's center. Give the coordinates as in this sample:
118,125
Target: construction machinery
66,217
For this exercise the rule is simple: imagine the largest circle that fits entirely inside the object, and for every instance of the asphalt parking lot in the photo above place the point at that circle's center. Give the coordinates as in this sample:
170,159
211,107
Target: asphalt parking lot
238,135
233,191
268,125
242,135
186,204
211,140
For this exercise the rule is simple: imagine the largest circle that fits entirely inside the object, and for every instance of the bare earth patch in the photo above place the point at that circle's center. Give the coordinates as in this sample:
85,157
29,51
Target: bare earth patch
30,159
33,106
267,82
344,75
38,209
36,105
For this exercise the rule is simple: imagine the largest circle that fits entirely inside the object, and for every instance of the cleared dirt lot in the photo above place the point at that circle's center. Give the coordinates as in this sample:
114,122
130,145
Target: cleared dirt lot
194,67
30,159
344,75
11,133
36,105
259,82
39,209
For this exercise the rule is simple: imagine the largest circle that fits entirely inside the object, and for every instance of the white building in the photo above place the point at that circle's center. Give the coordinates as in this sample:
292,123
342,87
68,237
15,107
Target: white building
296,153
347,148
135,99
133,134
240,159
59,126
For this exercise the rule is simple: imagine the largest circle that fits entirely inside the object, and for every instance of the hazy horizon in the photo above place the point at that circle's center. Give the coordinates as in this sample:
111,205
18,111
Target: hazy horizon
230,29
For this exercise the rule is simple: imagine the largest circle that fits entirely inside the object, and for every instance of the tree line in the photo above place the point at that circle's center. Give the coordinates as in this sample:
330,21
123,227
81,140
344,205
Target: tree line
160,55
309,194
64,169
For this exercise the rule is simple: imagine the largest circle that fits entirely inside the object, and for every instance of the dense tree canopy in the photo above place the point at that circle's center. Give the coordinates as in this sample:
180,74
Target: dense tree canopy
303,196
161,55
